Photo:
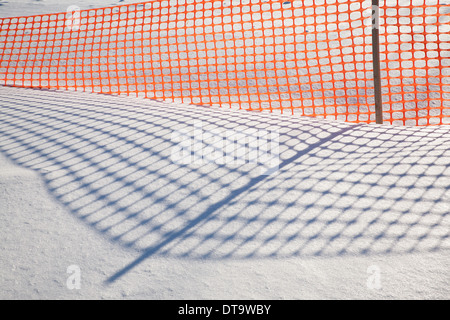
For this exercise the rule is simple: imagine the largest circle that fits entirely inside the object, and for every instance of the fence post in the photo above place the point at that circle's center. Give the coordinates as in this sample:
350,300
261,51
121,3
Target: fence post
376,61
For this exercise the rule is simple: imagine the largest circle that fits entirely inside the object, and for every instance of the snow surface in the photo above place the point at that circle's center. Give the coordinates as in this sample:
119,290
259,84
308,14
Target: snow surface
88,180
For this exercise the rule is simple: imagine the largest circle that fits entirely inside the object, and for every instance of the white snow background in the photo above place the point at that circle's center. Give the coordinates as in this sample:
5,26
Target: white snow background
354,211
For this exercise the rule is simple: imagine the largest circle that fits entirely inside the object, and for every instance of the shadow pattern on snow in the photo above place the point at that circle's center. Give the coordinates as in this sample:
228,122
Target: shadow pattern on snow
341,189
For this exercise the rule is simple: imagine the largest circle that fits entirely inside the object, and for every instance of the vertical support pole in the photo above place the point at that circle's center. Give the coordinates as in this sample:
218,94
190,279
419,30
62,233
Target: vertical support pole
376,61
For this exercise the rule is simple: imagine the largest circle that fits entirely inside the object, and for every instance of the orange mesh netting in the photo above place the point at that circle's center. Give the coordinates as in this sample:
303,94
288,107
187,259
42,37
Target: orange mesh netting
415,50
310,57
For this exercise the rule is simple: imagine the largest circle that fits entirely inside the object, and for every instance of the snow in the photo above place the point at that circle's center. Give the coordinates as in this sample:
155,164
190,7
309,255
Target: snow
20,8
88,180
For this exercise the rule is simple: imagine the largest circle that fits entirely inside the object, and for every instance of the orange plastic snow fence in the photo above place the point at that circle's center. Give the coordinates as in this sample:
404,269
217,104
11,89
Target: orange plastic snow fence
310,57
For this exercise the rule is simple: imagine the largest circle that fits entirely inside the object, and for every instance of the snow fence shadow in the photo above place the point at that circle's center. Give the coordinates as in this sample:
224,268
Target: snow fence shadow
340,188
